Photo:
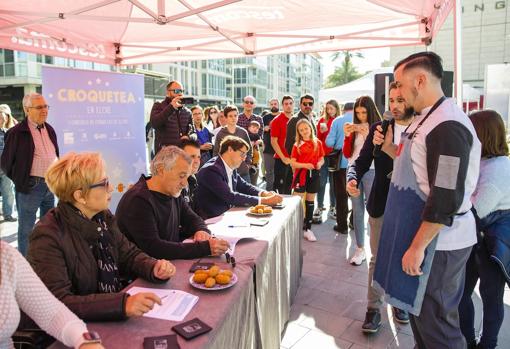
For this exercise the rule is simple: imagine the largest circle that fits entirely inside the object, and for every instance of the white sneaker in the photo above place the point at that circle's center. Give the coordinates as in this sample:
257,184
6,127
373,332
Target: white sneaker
309,235
359,256
317,214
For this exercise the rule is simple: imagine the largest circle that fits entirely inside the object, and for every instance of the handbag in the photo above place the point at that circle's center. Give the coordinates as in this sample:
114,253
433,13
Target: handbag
333,160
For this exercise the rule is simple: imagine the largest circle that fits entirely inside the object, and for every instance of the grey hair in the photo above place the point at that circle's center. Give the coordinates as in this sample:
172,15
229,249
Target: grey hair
251,97
167,157
27,100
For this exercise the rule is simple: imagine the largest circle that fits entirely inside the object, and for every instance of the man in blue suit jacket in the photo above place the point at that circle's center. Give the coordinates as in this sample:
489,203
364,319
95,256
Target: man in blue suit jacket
220,187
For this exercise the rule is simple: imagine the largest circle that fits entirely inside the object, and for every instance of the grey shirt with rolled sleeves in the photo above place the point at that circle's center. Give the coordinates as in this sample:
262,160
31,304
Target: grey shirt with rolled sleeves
446,161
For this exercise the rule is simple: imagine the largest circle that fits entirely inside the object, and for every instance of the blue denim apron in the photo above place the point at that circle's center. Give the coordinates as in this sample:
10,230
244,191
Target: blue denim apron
402,218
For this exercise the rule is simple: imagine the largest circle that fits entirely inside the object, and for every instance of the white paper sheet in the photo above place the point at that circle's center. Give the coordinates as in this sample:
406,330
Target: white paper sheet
175,304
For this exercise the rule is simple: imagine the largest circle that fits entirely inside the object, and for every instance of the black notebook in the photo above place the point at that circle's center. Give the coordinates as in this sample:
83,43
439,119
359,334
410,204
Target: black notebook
161,342
192,328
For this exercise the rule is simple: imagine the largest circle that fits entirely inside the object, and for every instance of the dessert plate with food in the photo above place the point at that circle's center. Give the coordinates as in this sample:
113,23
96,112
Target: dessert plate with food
213,279
260,210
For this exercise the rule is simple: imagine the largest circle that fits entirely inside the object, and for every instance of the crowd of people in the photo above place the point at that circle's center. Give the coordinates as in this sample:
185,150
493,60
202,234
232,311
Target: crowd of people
438,207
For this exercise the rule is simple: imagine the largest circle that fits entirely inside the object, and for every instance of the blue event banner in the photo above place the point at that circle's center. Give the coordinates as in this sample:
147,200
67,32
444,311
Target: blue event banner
96,111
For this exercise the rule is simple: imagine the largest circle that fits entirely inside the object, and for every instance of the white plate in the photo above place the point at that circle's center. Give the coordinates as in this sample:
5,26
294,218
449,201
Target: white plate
259,214
216,287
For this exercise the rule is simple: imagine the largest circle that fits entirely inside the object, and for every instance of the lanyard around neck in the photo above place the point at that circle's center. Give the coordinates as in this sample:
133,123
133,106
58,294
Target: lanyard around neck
434,107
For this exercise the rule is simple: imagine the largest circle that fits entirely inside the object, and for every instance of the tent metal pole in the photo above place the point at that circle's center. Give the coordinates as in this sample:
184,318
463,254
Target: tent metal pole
161,7
386,92
457,47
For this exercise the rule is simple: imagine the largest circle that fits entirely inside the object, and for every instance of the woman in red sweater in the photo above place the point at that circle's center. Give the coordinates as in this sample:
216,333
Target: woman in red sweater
307,158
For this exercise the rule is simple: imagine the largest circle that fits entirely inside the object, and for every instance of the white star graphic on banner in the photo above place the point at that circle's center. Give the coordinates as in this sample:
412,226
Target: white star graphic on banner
117,172
89,82
139,166
98,81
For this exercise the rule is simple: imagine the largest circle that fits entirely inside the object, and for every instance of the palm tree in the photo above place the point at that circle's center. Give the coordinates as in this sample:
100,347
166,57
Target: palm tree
346,72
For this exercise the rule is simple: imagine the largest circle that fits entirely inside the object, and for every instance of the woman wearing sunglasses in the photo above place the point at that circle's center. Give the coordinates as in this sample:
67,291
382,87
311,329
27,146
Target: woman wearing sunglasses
211,117
78,251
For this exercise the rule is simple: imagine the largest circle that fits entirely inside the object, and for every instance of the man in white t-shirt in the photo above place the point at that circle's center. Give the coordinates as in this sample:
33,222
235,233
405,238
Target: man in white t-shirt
422,254
376,202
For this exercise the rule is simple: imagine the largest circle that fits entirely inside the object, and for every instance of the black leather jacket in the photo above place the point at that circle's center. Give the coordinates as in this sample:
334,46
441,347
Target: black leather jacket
61,253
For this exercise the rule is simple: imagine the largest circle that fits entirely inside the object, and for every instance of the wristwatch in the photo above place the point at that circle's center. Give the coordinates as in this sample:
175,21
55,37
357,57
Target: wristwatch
91,337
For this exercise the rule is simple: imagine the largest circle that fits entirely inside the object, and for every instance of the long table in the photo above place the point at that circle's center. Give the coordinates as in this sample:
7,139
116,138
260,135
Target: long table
252,313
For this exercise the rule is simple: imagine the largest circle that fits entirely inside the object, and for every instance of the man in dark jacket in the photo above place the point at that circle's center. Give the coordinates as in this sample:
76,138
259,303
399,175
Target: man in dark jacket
155,216
220,187
170,119
377,200
30,148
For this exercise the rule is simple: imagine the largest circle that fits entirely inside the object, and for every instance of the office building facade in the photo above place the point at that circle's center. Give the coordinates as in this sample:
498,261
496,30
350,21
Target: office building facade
210,82
485,39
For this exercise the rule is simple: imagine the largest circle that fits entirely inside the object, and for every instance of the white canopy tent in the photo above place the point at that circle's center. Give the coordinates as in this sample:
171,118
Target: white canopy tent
363,86
130,32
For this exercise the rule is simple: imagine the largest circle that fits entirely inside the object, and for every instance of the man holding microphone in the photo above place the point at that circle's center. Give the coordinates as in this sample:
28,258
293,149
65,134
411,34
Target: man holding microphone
376,202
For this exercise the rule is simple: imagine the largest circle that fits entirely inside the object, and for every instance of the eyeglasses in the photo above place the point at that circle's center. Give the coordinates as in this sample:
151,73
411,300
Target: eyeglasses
244,154
308,104
105,183
249,102
213,112
40,107
176,90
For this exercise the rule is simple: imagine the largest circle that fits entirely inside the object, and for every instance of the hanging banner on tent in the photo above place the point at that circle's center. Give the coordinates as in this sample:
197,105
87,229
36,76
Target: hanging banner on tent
97,111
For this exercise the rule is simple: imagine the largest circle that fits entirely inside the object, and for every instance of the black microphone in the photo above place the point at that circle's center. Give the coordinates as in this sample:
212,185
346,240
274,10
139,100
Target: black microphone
387,117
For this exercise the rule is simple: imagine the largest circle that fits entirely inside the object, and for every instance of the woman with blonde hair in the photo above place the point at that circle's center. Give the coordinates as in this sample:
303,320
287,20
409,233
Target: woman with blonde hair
307,157
78,251
6,185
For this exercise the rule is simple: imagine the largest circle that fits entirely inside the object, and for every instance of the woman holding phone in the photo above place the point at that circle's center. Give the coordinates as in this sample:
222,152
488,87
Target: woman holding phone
365,114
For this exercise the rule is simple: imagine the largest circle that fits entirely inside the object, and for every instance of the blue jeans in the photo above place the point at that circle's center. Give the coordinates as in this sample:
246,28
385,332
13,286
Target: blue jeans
39,197
324,176
7,189
358,206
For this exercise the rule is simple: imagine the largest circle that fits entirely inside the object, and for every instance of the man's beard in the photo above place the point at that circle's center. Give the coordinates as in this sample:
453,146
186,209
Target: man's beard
274,110
408,113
